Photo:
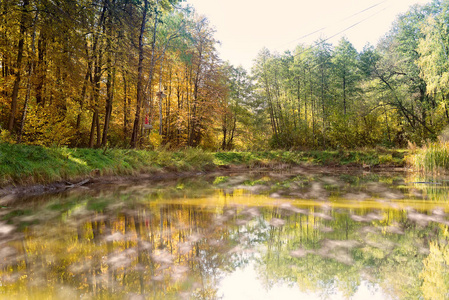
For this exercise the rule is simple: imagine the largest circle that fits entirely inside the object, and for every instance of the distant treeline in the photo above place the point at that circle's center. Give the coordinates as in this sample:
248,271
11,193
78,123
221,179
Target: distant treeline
391,94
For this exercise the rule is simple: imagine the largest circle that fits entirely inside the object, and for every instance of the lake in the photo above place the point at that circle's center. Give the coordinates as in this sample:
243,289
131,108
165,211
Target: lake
281,234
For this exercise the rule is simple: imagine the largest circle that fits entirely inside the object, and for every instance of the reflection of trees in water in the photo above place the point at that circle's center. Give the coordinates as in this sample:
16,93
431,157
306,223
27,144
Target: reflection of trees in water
387,251
140,246
152,251
435,275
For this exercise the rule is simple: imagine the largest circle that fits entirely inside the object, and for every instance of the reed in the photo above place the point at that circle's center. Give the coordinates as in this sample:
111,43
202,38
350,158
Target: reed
432,158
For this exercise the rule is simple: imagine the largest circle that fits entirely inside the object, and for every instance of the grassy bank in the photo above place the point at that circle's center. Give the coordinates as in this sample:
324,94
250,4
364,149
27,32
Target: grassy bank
368,158
22,164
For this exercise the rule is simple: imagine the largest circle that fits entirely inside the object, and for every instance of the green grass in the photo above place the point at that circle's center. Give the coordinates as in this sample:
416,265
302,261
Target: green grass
432,158
24,164
322,158
21,164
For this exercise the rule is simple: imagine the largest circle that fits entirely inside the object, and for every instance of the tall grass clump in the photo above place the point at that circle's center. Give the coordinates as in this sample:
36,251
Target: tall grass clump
194,159
183,160
432,158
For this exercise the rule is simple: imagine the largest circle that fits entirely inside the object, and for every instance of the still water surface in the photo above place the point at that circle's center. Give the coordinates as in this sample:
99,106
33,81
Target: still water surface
266,235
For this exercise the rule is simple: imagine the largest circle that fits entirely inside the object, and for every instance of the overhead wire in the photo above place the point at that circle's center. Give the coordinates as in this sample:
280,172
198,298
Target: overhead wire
340,32
340,21
355,24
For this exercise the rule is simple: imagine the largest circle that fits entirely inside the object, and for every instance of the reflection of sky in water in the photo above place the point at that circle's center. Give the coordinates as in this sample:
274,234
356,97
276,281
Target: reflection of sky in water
243,284
242,237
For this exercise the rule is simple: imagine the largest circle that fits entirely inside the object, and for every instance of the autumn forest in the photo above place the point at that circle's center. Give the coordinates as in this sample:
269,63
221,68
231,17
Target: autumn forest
146,74
136,163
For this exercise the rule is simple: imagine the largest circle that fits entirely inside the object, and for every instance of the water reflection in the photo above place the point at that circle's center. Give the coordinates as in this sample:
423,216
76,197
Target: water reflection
260,236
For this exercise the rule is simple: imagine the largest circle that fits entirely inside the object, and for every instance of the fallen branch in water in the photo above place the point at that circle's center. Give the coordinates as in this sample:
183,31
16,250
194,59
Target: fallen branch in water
73,185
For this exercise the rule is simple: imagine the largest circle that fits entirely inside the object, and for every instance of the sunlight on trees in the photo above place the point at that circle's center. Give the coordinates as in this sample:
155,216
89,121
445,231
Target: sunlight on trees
147,74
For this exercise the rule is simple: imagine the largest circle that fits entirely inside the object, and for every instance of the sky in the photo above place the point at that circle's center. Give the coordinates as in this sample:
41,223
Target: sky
244,27
244,284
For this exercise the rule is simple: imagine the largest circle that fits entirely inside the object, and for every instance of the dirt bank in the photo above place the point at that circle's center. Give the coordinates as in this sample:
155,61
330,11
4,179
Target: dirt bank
11,192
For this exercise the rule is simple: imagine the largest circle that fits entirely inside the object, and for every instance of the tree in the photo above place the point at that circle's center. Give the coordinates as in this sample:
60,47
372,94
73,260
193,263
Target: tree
18,66
344,61
432,53
236,106
136,127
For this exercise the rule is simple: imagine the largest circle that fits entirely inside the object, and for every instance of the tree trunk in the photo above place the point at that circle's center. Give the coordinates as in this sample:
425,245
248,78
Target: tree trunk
168,133
323,108
96,98
41,68
305,103
109,82
125,105
96,83
193,141
92,128
85,84
225,131
387,124
312,108
30,73
83,92
160,95
137,117
4,37
109,101
344,93
15,91
231,139
299,102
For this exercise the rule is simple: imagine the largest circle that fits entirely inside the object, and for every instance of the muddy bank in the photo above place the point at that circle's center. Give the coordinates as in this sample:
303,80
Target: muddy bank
11,192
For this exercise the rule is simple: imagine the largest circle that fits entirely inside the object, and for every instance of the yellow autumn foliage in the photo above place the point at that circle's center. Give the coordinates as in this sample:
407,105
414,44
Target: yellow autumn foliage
44,127
155,139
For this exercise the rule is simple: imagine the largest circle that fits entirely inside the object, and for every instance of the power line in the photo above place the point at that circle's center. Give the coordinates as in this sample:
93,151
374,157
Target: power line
366,9
355,24
306,35
342,20
340,32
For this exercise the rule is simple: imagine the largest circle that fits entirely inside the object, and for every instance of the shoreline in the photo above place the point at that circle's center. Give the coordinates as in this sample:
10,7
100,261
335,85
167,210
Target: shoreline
29,170
11,192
